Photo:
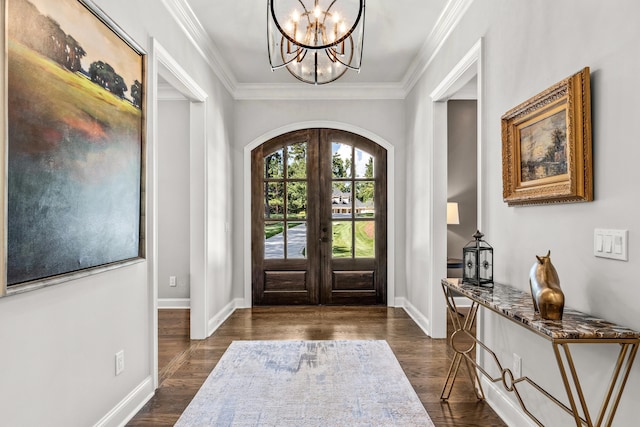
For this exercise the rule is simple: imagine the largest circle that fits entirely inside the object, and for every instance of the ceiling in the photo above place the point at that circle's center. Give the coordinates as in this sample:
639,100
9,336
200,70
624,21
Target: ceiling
400,37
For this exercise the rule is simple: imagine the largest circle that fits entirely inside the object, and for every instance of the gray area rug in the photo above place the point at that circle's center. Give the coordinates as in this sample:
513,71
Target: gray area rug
306,383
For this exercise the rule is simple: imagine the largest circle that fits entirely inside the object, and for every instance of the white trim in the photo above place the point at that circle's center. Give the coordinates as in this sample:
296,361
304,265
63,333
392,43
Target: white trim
469,66
161,64
334,91
507,409
176,76
128,407
460,74
216,321
178,303
195,32
421,320
390,196
199,284
447,21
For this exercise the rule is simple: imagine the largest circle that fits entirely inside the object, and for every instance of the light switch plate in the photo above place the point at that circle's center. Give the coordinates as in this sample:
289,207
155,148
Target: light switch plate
613,244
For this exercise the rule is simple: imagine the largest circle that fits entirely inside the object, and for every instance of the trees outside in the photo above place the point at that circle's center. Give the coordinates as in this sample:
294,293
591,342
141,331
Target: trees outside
295,157
365,189
297,169
273,196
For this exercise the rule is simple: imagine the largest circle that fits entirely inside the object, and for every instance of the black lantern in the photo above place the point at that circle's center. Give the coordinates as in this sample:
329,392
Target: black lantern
477,257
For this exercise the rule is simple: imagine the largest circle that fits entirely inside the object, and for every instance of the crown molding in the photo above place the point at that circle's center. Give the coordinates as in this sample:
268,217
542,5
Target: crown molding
447,21
334,91
188,21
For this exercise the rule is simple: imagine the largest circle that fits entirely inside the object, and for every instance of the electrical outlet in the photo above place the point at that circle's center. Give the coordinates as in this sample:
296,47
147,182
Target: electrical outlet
172,281
119,362
517,366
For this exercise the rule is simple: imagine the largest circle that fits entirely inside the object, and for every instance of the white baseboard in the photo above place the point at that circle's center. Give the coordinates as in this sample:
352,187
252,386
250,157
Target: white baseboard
398,302
510,412
416,315
222,315
462,301
129,406
174,303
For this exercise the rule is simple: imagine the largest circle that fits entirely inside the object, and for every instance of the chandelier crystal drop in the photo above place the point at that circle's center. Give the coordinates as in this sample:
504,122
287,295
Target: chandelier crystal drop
317,41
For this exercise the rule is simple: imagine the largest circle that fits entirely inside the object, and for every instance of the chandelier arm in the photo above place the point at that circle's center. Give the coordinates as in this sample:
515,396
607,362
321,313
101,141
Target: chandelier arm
334,57
284,64
301,53
307,14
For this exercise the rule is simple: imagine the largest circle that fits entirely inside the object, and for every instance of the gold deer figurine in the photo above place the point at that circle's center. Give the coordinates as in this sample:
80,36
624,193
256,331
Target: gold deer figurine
548,299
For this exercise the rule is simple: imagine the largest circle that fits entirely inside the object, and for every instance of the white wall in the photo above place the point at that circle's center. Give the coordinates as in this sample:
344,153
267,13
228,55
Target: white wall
173,198
528,46
59,342
384,118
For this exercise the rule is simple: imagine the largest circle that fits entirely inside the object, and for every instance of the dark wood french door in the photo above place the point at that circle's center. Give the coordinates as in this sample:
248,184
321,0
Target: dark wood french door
319,226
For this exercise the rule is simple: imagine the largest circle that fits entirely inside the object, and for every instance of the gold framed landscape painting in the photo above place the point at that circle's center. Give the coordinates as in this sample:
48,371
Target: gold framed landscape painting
75,143
546,146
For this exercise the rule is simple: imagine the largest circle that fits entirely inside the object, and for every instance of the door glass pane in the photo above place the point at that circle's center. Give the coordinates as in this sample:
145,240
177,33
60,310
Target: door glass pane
297,160
274,200
341,246
296,200
341,160
341,204
364,164
297,240
365,191
365,239
274,165
273,240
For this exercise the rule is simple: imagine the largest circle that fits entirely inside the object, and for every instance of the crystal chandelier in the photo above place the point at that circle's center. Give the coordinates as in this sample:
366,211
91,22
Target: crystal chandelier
317,41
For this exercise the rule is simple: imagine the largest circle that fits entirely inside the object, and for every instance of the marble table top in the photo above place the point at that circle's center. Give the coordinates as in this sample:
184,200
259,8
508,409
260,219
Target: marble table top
518,306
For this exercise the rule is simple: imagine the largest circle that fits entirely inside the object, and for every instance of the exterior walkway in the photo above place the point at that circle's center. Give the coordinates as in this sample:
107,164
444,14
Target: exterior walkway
297,243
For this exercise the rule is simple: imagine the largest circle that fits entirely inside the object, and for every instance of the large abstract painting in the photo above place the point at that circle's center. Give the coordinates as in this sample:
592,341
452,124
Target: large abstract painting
75,140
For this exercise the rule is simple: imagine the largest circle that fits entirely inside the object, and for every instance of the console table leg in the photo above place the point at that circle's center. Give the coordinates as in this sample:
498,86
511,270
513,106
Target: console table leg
616,386
457,358
626,358
576,383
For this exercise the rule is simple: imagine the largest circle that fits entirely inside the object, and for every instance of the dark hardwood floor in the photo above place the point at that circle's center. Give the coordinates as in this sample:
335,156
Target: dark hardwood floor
185,364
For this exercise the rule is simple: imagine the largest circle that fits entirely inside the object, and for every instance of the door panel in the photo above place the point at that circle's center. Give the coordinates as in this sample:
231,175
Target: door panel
284,220
319,219
353,207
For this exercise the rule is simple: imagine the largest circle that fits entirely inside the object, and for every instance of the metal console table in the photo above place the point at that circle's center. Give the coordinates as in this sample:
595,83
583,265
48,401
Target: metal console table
575,328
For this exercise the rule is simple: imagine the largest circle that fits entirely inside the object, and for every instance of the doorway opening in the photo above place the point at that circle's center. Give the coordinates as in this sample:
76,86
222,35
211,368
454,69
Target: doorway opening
462,172
319,219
